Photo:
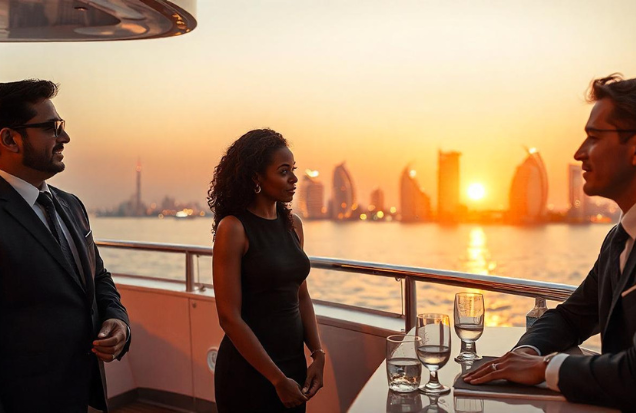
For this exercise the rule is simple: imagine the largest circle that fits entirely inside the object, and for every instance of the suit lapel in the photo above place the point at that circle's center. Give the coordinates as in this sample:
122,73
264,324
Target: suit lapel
22,212
619,283
78,239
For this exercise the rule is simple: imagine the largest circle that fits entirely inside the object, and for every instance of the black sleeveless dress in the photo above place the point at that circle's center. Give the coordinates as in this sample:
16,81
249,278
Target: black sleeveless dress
272,271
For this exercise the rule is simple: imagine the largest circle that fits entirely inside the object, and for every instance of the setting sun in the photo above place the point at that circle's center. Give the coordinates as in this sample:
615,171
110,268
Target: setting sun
476,192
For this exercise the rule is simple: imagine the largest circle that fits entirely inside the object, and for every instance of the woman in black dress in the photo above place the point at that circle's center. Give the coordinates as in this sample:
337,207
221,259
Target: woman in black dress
259,271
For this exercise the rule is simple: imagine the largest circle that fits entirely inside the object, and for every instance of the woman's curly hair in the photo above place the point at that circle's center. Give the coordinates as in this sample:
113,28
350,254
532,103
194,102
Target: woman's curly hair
232,187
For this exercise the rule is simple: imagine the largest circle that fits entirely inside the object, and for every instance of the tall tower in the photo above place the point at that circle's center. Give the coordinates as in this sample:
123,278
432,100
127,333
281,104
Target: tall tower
448,186
311,196
377,200
415,205
579,208
344,201
138,206
529,190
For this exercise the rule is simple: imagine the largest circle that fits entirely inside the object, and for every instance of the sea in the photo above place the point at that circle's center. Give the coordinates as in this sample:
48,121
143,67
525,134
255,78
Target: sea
558,253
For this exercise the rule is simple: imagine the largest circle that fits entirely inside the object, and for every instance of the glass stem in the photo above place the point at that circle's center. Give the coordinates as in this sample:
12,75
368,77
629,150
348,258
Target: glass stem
469,347
433,379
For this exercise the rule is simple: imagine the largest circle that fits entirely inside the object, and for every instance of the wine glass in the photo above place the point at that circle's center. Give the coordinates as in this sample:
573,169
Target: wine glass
434,350
469,323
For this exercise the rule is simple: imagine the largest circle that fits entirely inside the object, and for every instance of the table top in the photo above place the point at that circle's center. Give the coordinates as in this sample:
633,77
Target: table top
495,341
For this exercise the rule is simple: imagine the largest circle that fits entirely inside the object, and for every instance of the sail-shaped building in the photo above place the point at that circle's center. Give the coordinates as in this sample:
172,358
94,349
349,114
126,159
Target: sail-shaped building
529,191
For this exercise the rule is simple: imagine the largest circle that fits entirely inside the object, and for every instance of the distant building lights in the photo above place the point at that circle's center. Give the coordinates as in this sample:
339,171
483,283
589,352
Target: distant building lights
380,214
363,217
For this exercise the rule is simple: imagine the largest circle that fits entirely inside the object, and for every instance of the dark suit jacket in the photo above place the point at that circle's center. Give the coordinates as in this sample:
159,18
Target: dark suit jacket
48,317
596,306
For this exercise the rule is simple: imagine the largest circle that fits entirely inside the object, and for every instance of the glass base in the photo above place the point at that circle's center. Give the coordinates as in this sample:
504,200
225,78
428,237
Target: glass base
438,389
465,356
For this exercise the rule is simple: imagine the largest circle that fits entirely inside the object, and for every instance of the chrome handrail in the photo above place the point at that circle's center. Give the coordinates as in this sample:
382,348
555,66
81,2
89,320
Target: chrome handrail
411,275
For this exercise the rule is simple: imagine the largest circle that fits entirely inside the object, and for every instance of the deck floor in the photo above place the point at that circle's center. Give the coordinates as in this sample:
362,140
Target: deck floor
139,407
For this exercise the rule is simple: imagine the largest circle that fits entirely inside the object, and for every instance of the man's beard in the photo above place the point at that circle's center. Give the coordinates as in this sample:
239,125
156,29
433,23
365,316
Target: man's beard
34,160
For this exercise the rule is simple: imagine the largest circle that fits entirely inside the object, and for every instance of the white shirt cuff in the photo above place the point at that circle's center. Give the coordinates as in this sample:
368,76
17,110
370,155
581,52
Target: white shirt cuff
529,346
552,371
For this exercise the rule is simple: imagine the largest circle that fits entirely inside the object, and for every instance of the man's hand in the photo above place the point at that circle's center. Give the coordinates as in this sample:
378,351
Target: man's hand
516,366
110,339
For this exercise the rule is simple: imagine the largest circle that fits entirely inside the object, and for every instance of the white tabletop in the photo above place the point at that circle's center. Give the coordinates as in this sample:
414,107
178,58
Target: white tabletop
376,397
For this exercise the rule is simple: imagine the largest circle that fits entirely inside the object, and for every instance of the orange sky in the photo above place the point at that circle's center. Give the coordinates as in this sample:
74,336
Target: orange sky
378,84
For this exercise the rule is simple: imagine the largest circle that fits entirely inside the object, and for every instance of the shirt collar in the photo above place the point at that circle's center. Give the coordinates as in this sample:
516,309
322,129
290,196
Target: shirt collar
628,220
25,189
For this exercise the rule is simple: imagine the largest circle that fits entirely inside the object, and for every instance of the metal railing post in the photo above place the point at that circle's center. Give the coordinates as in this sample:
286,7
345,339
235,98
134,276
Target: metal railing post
189,271
410,304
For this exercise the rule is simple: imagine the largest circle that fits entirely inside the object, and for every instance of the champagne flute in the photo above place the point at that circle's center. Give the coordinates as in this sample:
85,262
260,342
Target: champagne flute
469,323
434,350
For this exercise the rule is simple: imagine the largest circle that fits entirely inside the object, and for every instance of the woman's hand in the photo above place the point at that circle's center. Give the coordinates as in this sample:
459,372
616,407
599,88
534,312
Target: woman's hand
313,383
516,366
289,393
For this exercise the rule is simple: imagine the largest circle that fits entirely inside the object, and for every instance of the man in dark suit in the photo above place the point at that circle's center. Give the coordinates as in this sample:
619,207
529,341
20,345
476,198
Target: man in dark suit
60,313
606,300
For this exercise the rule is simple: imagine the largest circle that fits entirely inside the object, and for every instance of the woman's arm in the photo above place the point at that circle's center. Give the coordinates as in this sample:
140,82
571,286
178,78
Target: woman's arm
310,327
229,247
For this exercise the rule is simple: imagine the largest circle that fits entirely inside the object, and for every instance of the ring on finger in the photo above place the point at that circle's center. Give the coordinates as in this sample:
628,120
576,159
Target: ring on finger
494,366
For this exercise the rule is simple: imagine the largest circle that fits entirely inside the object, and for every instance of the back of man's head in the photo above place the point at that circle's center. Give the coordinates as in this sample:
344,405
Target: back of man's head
16,99
622,93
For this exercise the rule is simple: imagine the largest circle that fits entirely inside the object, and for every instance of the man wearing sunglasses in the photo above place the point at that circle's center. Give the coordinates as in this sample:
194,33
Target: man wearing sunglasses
60,312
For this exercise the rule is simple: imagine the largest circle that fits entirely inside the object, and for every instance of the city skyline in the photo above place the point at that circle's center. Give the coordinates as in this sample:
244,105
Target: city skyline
376,84
527,196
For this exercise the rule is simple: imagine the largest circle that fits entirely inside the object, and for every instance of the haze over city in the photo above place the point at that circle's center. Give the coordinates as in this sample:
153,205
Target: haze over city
377,85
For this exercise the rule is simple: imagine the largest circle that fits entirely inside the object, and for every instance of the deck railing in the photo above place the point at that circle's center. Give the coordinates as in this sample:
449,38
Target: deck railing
537,289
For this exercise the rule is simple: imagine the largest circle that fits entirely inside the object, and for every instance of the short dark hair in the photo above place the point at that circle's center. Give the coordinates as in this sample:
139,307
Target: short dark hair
16,99
622,93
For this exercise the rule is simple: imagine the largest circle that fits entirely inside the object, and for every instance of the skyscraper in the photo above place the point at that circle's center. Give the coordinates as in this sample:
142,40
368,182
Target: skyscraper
415,205
377,200
138,207
448,206
311,196
529,190
344,201
579,203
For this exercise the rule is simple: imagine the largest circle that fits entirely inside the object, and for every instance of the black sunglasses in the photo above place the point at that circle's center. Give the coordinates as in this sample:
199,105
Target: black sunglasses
56,125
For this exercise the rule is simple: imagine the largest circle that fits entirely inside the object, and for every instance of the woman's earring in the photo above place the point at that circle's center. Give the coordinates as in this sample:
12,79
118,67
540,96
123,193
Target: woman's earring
257,190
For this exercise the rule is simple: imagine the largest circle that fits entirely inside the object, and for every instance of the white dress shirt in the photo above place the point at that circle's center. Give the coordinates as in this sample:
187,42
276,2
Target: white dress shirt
30,194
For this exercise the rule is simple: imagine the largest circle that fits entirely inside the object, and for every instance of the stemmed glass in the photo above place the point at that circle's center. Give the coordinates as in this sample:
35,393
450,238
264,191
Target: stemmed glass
469,323
434,350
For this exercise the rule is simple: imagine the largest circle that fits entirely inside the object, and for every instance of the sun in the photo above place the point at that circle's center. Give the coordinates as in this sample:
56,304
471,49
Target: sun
476,191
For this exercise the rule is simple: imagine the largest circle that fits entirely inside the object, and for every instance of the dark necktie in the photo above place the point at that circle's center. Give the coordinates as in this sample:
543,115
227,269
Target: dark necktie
46,201
617,245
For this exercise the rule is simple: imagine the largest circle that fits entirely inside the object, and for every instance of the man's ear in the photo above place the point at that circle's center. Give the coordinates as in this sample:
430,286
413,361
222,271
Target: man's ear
7,140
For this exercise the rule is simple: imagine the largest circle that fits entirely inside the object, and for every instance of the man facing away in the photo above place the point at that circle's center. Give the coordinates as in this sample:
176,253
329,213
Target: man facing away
605,301
60,313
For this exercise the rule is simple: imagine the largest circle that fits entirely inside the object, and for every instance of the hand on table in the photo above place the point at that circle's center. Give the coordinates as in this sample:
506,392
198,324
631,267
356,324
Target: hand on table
519,366
313,383
110,339
289,393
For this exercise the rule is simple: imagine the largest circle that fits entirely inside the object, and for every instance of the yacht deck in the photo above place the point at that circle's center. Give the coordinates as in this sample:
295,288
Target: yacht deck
139,407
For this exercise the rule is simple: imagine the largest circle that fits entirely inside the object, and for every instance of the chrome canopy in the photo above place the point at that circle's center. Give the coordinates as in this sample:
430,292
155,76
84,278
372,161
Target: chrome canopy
92,20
